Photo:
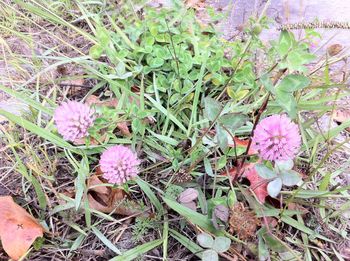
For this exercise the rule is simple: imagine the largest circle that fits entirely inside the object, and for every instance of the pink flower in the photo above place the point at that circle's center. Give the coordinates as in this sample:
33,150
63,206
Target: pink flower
119,164
277,138
73,119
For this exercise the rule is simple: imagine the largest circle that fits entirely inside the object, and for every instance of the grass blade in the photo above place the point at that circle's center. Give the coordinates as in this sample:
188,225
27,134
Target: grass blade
132,254
105,241
193,216
43,133
188,243
152,197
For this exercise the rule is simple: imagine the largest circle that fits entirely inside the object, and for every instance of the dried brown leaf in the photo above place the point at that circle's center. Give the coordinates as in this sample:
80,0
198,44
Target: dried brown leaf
107,199
334,49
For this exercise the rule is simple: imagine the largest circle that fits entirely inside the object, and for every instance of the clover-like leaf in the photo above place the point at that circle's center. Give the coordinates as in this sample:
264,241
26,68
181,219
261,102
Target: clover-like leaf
221,244
210,255
265,172
282,165
188,195
212,108
221,135
221,212
205,240
290,177
274,187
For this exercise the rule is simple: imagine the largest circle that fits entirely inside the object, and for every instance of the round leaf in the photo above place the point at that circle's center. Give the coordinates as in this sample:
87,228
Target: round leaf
290,177
210,255
274,187
284,164
211,108
221,244
205,240
221,212
188,195
96,51
265,172
156,62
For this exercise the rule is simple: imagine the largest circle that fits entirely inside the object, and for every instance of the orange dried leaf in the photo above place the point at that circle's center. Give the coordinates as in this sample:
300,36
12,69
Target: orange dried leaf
233,171
257,184
18,229
241,143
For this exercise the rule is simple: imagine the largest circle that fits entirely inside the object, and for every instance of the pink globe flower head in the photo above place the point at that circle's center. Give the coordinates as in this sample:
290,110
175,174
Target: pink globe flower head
277,138
119,164
73,119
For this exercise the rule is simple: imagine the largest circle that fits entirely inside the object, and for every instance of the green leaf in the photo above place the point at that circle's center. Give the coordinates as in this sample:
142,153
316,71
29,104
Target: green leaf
266,81
135,252
155,62
152,197
221,244
285,43
290,177
222,162
103,37
274,187
292,222
120,69
202,221
105,241
186,242
233,121
284,164
211,108
210,255
273,242
293,82
167,113
263,251
287,101
149,41
96,51
205,240
264,171
221,136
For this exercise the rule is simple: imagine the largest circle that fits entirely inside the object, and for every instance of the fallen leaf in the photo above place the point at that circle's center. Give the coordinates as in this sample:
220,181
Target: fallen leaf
257,184
334,49
94,100
241,143
81,141
233,171
297,207
188,195
18,229
341,115
124,129
108,199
